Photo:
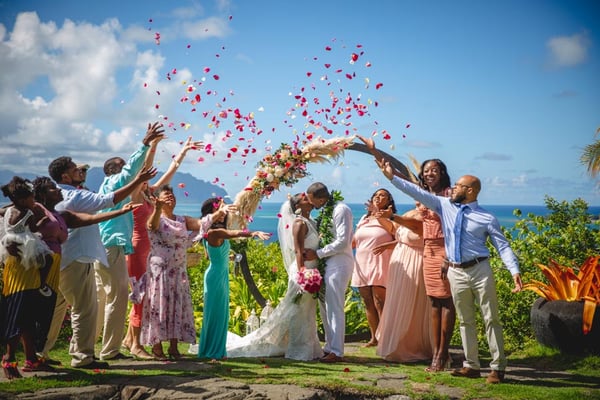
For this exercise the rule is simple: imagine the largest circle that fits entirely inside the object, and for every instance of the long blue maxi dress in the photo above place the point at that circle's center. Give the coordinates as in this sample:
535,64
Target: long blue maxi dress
215,321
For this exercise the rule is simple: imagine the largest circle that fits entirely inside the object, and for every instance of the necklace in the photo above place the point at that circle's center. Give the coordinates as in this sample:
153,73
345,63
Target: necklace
325,225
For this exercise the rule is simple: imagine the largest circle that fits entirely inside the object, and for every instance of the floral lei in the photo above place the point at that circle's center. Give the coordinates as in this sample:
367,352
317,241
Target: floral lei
324,223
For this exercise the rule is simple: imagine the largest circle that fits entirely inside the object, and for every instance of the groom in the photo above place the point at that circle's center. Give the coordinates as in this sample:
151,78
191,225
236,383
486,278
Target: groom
340,262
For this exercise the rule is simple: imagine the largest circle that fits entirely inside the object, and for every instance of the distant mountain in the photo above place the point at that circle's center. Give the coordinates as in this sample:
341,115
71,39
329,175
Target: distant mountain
193,191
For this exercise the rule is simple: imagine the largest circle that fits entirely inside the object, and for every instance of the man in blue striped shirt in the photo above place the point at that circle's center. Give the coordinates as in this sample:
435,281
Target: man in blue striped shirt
467,268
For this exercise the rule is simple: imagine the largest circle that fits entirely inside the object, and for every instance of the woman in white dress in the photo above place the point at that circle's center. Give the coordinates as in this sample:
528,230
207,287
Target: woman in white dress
291,330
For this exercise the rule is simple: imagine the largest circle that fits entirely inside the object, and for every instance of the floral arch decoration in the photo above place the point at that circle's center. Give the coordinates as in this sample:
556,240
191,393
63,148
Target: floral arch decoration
288,164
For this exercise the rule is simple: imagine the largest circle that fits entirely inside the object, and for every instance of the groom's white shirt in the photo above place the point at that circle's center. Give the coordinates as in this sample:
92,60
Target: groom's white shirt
340,263
339,251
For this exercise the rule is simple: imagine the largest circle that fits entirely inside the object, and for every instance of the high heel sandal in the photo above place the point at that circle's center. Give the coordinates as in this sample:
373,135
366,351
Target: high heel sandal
141,354
434,367
11,371
126,346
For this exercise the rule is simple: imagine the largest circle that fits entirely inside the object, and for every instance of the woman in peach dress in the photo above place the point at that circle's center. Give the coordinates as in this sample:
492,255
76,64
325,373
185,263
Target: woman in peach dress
404,332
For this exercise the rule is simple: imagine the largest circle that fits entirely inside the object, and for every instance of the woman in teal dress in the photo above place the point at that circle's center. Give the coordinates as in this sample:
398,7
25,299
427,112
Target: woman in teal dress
215,320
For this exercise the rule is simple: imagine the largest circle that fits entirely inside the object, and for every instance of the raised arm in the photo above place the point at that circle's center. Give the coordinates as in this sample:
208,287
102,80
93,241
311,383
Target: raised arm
380,159
144,175
215,236
77,220
177,160
154,219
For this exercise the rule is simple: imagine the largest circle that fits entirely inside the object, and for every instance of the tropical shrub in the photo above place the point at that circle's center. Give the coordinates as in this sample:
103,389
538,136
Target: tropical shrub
567,234
564,284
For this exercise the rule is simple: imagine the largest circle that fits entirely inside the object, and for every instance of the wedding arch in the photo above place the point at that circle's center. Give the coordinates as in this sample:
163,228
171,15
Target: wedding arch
286,166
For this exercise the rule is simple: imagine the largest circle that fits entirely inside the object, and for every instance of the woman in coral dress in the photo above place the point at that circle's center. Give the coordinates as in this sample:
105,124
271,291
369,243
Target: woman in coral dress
434,177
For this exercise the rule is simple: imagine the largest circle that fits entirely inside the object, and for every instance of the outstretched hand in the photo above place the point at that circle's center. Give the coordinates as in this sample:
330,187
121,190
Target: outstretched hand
130,206
155,132
370,143
386,168
146,174
384,213
261,235
518,283
192,145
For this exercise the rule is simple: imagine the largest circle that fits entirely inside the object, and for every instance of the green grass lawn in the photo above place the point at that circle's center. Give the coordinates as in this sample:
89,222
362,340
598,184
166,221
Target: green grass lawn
535,373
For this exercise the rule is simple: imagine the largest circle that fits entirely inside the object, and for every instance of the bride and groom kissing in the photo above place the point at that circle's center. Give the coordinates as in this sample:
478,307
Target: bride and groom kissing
291,331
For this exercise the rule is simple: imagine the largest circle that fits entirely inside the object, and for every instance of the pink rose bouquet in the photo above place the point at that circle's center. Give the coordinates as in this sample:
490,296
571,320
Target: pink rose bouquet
309,280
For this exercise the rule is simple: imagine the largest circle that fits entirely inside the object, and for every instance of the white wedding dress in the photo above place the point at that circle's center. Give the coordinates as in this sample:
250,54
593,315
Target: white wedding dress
291,330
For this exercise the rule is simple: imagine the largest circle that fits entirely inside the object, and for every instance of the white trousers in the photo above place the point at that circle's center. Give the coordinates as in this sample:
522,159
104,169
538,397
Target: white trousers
471,287
337,279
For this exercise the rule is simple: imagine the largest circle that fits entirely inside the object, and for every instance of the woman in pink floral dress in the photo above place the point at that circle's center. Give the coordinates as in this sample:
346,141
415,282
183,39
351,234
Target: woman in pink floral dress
168,312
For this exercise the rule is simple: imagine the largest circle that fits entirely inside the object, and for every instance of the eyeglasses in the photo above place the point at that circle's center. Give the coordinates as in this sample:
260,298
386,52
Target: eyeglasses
463,185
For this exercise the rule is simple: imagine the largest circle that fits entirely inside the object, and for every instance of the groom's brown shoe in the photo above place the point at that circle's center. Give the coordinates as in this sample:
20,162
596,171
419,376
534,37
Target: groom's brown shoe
331,358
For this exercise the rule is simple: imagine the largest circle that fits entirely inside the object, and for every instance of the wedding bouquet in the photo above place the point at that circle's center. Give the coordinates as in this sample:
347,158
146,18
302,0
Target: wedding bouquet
309,280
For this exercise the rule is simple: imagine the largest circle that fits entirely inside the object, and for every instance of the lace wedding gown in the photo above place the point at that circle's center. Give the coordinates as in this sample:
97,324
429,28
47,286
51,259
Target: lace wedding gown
291,330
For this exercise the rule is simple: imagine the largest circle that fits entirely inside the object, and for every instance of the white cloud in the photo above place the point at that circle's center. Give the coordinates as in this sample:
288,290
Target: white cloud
568,51
494,157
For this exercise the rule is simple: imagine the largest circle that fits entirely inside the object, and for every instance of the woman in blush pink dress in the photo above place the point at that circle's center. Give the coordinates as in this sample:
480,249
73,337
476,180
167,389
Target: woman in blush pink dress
371,270
405,327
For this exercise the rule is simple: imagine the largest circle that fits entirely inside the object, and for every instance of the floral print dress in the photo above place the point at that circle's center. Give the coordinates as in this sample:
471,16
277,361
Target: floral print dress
168,312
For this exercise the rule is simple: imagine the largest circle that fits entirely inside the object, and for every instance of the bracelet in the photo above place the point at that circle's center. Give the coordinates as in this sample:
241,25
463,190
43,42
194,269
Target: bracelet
176,163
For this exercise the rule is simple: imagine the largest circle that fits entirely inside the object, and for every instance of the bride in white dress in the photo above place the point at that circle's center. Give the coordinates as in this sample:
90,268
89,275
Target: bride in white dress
291,330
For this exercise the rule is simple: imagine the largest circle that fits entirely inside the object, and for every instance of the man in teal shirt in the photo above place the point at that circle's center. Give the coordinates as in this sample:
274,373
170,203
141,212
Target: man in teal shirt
112,279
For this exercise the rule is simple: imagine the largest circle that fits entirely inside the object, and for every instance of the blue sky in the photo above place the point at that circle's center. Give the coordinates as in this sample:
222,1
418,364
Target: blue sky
508,91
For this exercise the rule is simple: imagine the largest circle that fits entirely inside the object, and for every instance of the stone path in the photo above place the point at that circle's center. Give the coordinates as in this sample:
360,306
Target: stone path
200,387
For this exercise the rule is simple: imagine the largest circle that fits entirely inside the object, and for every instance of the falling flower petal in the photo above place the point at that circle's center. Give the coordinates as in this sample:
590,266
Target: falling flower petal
378,86
181,185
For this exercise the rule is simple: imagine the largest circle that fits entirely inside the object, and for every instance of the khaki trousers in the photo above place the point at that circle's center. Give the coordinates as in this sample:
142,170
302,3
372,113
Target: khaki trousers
472,286
78,288
113,291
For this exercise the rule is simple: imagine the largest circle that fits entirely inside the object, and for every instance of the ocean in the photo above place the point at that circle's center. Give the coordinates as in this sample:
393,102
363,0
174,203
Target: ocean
265,218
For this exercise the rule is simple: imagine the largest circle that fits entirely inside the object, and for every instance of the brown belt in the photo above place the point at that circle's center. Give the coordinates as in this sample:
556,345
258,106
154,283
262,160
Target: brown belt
466,264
